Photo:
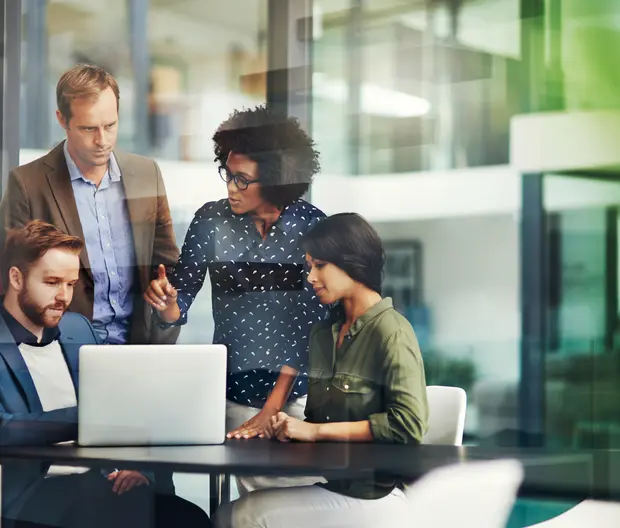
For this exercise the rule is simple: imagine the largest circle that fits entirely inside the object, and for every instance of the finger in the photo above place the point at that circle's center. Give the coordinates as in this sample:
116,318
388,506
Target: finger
283,436
280,417
118,482
278,426
113,475
238,432
127,485
278,423
154,301
157,287
267,432
235,432
251,433
241,433
171,291
281,423
158,299
161,272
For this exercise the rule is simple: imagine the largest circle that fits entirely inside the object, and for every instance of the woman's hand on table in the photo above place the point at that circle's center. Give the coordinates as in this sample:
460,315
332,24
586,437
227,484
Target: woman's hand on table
257,427
286,428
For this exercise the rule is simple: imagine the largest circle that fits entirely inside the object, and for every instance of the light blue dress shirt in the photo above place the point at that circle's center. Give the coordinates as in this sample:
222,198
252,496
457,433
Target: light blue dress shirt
110,246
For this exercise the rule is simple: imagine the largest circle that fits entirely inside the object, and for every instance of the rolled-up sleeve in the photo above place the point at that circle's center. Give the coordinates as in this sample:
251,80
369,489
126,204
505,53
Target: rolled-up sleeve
406,416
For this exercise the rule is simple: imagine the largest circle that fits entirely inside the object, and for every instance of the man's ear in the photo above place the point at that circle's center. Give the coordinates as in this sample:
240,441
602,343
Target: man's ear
16,278
61,120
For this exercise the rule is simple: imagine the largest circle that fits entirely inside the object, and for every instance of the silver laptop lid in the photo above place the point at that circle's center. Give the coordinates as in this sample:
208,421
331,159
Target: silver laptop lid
152,395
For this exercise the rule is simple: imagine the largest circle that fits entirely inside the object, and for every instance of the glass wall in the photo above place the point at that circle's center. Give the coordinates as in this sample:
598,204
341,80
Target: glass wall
413,107
412,104
411,110
182,67
195,63
419,87
582,361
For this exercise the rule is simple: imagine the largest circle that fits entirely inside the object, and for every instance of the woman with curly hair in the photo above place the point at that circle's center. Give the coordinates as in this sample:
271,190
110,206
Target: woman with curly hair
249,243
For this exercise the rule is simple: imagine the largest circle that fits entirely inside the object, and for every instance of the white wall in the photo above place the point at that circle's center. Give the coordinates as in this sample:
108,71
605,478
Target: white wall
471,285
563,141
421,195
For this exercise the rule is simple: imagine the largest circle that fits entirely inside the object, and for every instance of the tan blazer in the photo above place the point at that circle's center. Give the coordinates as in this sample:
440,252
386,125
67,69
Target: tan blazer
42,190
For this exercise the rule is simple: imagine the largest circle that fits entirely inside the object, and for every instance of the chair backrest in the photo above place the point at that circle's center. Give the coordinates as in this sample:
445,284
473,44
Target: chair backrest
446,420
467,495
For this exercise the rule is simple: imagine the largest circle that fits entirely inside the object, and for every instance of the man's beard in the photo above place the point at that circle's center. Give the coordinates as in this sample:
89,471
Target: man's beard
40,316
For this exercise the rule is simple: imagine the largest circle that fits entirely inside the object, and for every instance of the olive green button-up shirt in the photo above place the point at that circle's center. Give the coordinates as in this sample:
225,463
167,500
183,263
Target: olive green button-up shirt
377,374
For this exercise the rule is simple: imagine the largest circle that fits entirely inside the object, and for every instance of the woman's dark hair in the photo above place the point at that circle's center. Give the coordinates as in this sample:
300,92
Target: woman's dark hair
285,154
351,243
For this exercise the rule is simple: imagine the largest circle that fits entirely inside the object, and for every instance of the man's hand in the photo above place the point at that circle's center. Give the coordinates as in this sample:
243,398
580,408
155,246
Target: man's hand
286,428
258,426
125,481
162,296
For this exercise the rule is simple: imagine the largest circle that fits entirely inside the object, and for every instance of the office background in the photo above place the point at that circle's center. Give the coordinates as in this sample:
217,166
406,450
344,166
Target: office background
478,136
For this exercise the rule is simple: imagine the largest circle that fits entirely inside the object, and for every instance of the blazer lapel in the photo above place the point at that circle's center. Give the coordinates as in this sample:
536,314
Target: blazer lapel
15,361
138,199
62,191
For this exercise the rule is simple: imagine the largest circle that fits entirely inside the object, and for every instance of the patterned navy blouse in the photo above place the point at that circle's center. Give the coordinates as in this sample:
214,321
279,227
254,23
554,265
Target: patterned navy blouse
263,307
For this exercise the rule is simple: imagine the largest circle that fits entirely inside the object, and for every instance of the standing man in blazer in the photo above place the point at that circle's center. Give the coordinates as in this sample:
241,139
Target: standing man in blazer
114,201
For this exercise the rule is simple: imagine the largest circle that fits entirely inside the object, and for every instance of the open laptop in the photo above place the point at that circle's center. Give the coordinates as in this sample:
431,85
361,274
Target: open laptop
152,395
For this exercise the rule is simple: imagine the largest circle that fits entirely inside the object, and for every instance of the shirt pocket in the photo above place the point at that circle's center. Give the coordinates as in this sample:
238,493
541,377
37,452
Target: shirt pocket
359,397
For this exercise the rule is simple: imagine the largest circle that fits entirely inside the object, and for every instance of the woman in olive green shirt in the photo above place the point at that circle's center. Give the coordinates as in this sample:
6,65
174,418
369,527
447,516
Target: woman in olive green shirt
366,384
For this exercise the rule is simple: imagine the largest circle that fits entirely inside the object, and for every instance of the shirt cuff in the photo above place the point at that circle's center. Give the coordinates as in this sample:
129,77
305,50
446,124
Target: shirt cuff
298,363
164,325
380,427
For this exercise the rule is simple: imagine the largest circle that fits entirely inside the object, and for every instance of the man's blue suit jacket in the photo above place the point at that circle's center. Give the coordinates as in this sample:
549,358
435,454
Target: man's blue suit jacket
22,419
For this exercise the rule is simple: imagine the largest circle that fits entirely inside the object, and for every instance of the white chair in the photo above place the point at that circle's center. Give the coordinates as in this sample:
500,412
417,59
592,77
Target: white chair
446,420
468,495
587,513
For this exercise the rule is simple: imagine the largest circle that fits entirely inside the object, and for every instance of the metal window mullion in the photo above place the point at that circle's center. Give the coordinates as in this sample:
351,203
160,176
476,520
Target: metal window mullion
11,12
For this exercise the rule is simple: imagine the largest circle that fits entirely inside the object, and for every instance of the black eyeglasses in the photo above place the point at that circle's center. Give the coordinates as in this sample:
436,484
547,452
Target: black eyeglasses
241,181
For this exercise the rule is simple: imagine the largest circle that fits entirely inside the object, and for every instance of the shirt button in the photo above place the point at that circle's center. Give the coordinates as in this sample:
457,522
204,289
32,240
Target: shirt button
113,273
113,303
327,417
103,217
327,388
346,387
